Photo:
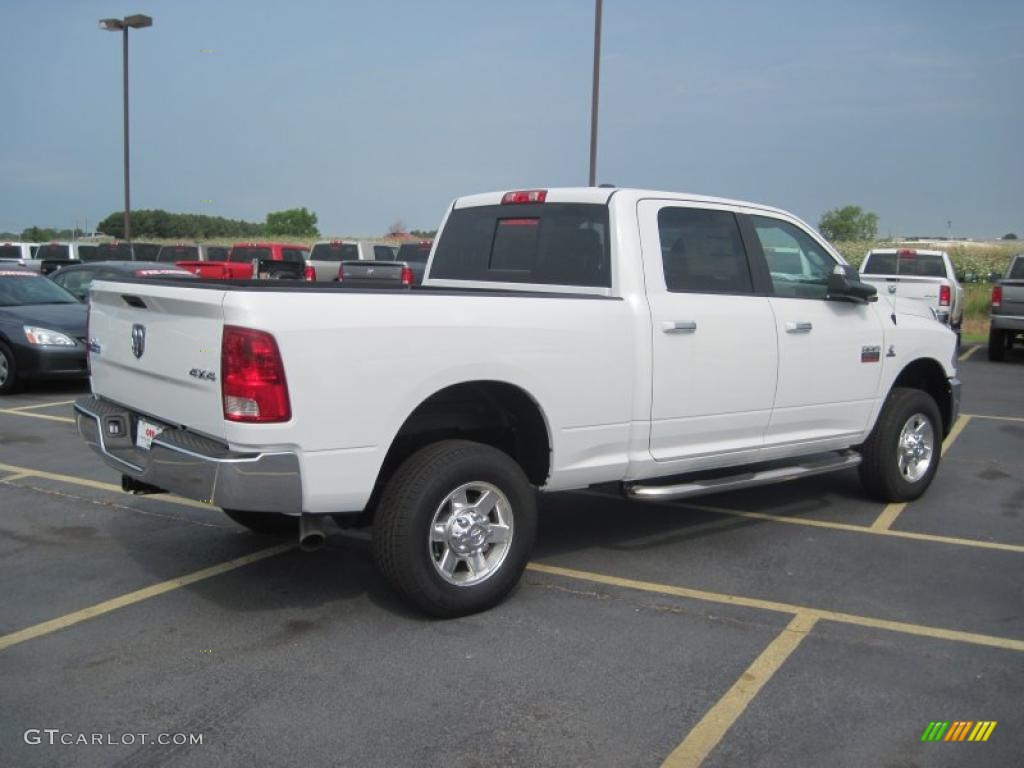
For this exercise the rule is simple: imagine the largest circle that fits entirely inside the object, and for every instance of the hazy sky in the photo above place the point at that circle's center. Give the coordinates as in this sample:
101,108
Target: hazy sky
367,112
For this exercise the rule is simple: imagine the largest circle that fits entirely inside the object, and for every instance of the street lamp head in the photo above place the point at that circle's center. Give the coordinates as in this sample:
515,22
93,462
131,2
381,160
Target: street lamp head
138,21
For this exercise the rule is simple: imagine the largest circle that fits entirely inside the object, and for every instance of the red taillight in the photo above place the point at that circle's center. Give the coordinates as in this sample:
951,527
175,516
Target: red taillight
406,275
309,272
943,295
906,253
341,273
252,381
997,295
525,196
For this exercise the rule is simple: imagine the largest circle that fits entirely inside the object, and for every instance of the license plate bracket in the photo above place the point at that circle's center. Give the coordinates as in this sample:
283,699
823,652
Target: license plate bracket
145,431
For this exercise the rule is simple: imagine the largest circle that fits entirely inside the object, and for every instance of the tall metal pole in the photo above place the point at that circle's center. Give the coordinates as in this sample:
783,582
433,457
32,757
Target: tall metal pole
594,95
127,192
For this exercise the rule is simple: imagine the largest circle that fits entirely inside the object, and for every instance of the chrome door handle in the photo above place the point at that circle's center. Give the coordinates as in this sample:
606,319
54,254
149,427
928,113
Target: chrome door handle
798,327
683,327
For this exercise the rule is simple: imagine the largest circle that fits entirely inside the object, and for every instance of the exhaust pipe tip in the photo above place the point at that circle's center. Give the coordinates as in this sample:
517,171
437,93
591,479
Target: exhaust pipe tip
311,533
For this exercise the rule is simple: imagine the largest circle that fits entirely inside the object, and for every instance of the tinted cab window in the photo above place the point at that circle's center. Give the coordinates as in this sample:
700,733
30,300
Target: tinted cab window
335,252
543,243
53,251
702,251
178,253
248,253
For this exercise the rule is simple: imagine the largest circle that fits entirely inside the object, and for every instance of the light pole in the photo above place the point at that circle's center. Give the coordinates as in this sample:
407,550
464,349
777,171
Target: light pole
136,21
594,93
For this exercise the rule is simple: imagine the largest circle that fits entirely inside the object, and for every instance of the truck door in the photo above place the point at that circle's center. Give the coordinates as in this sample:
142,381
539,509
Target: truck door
830,352
713,336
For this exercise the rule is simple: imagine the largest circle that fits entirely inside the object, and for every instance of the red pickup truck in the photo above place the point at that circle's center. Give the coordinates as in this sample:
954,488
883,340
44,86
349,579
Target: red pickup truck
273,258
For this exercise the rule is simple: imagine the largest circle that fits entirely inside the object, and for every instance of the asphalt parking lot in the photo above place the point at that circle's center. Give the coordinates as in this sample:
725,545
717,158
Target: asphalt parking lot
800,624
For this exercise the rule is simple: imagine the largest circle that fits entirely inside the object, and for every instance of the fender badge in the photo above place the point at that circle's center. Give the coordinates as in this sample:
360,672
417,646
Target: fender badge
892,351
870,354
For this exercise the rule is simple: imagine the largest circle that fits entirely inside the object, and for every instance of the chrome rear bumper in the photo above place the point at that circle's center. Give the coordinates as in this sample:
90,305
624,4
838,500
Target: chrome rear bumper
190,465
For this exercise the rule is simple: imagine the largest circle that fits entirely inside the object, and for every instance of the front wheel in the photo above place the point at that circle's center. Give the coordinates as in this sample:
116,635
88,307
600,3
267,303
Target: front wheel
902,452
454,527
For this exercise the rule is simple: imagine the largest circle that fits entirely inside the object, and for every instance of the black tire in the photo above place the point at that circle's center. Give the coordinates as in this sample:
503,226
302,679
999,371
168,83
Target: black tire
880,470
996,345
269,523
8,371
420,490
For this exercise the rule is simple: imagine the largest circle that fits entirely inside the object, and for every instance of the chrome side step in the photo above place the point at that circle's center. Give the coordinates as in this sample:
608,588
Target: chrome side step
828,463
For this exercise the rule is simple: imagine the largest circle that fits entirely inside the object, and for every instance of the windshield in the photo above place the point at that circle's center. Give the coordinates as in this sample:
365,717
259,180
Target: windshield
19,289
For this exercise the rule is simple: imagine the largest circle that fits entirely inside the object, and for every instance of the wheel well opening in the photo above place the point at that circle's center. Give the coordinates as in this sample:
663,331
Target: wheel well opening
491,412
928,376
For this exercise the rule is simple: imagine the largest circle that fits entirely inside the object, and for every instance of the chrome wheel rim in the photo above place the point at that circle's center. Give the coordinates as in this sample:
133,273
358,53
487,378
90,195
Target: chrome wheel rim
916,447
470,534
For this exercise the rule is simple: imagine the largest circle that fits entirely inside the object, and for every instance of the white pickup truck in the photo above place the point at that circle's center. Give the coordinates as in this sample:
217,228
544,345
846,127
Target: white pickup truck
562,338
912,273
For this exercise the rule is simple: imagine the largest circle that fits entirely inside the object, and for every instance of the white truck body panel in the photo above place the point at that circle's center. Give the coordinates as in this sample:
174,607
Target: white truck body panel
621,398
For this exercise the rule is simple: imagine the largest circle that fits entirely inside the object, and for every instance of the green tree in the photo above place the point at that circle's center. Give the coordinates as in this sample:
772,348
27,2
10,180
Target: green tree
38,234
1010,236
848,223
297,222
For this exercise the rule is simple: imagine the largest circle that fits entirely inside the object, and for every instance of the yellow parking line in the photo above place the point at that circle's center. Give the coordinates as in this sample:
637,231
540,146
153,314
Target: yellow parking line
15,476
994,418
41,405
67,620
706,735
15,412
906,628
849,527
892,511
98,485
968,353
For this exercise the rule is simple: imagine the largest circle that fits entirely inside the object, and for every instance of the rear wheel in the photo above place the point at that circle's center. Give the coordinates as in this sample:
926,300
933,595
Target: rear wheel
996,345
270,523
8,371
902,452
455,527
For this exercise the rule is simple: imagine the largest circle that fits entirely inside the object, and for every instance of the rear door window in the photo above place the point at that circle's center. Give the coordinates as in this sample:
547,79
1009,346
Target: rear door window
702,251
541,243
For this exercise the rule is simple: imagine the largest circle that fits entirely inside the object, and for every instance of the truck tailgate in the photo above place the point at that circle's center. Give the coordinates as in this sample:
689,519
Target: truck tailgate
156,350
906,287
1013,297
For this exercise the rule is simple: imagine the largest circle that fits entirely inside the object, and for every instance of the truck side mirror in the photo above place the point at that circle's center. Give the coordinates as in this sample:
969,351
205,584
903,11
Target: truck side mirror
844,284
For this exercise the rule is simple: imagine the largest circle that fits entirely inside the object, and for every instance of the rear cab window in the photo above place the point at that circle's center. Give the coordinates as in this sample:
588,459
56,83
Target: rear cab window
248,253
295,255
905,262
10,251
113,252
174,253
334,252
383,253
53,251
540,243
